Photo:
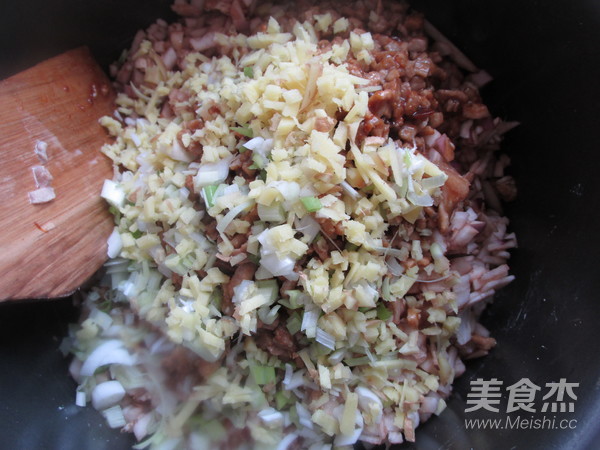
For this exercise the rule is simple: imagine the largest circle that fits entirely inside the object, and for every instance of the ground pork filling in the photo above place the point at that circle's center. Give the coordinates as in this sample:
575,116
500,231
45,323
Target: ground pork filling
308,225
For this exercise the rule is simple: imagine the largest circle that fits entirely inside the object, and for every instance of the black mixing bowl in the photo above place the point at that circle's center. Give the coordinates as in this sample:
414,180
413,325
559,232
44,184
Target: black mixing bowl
545,60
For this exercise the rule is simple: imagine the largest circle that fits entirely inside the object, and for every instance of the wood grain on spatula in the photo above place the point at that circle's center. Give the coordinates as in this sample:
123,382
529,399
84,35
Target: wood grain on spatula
48,250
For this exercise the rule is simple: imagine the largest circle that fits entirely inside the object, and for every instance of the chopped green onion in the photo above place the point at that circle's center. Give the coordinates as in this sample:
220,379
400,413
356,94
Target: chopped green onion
253,258
294,323
385,290
244,131
294,416
258,161
116,213
284,302
383,313
105,306
216,297
269,289
321,350
137,234
209,195
352,362
271,213
282,398
294,296
249,72
351,247
262,374
311,204
364,309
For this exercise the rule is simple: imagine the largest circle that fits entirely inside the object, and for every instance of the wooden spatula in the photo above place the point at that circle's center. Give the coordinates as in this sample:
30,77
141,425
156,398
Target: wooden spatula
49,249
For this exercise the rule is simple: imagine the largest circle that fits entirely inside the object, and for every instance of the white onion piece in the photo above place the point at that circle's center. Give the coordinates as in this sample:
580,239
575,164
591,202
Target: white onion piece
395,437
434,182
325,339
304,416
289,371
80,399
41,176
465,129
287,441
240,292
41,195
283,267
114,243
271,213
315,69
224,189
169,58
295,381
109,352
114,417
420,200
430,140
113,193
429,405
262,274
351,439
205,42
465,330
140,427
309,322
271,417
178,153
394,266
107,394
337,356
366,397
211,173
290,190
40,150
232,214
269,260
255,143
370,244
309,227
350,190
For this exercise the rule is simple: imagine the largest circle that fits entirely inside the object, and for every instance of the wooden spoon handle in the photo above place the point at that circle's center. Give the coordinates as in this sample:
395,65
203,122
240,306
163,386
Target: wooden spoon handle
50,249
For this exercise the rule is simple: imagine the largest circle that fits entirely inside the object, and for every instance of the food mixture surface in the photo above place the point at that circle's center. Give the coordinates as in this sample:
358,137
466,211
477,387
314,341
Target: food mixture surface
307,200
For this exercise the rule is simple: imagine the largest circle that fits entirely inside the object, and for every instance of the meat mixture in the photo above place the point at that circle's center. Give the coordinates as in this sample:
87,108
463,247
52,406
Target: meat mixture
308,225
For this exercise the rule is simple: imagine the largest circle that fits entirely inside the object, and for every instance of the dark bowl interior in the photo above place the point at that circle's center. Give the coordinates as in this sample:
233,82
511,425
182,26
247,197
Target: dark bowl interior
545,60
